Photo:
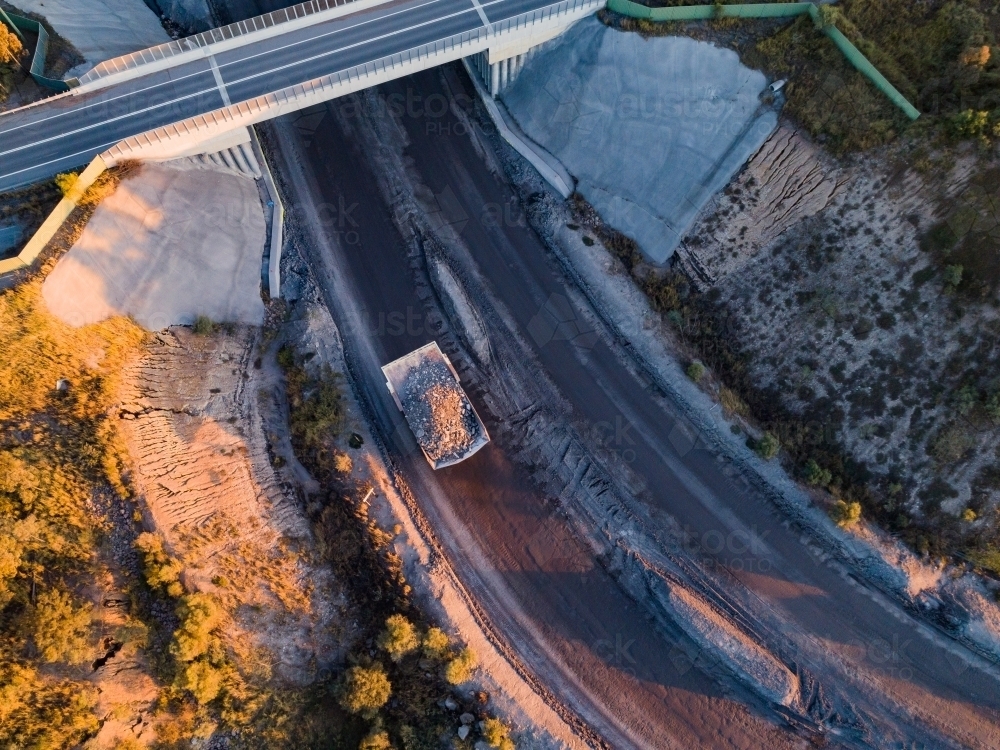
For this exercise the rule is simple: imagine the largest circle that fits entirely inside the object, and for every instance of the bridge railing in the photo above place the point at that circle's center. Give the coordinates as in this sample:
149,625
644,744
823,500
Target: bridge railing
196,42
161,141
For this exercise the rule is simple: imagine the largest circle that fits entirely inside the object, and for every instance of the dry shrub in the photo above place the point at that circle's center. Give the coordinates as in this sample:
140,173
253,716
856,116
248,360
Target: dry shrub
732,402
108,181
11,48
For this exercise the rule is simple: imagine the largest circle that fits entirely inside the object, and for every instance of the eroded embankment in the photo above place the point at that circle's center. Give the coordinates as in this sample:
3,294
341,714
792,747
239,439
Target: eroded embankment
192,421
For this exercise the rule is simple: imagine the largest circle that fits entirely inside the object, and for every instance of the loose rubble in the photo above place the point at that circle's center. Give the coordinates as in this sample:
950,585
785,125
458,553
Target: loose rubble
442,418
438,412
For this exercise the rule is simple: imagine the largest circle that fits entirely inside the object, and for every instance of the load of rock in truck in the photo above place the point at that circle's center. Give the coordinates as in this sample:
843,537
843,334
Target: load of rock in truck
426,388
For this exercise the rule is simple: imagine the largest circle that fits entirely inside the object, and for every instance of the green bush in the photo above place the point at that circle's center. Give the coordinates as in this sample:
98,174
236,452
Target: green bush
376,741
435,643
952,443
399,637
696,371
342,463
11,48
845,514
966,399
65,182
318,414
987,558
816,475
160,570
993,405
460,668
767,447
952,276
497,734
199,615
202,679
59,625
203,325
366,690
40,711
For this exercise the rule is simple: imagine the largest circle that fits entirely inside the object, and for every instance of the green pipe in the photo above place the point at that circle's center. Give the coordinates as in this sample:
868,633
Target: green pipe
771,10
13,27
863,64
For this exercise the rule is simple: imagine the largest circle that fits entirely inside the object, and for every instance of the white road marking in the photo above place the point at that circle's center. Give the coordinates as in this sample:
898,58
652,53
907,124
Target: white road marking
102,124
241,80
63,158
482,15
241,60
218,80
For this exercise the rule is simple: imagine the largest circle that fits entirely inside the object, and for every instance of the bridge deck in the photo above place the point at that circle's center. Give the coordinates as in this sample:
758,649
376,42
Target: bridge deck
68,130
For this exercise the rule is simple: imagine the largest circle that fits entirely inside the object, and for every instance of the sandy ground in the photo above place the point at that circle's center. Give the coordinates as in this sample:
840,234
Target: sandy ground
100,29
196,418
169,245
651,128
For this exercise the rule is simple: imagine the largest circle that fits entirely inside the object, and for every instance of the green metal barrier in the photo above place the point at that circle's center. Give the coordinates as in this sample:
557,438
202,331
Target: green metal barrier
6,19
859,61
771,10
37,69
704,12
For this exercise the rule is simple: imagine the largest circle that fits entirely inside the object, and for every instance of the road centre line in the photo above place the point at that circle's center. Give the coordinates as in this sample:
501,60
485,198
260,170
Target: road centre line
241,80
173,81
218,80
103,123
103,102
61,158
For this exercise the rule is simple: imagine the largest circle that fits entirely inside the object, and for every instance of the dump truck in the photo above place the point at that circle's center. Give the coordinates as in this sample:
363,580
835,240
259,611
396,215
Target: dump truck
427,390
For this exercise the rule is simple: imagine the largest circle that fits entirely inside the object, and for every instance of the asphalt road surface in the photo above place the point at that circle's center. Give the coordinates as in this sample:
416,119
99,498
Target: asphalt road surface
69,130
872,676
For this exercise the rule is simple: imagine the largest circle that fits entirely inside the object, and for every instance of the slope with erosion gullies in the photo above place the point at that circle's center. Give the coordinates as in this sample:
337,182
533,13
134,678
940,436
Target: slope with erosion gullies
862,332
191,415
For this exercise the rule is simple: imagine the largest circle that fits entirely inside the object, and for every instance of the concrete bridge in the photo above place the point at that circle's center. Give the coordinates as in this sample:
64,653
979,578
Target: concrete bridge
198,95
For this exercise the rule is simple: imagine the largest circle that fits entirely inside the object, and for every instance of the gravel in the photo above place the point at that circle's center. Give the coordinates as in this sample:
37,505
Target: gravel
438,411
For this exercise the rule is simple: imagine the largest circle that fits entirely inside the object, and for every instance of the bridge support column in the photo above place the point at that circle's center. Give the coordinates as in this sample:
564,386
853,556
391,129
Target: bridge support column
494,79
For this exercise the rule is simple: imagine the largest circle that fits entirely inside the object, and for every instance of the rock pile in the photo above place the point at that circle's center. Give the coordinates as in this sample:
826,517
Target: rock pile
438,411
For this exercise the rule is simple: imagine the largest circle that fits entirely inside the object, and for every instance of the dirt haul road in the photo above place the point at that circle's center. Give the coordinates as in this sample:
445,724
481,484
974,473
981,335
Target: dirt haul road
619,557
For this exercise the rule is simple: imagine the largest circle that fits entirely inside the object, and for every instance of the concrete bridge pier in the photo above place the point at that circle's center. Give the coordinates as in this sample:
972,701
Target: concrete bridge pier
497,74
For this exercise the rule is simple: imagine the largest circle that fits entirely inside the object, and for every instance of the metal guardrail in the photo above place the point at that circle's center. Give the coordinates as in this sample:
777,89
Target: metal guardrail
259,109
771,10
37,69
206,38
342,82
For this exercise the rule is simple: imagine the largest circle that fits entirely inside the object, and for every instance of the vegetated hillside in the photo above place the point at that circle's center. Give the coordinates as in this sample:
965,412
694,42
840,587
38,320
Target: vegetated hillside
863,331
941,54
59,460
66,601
